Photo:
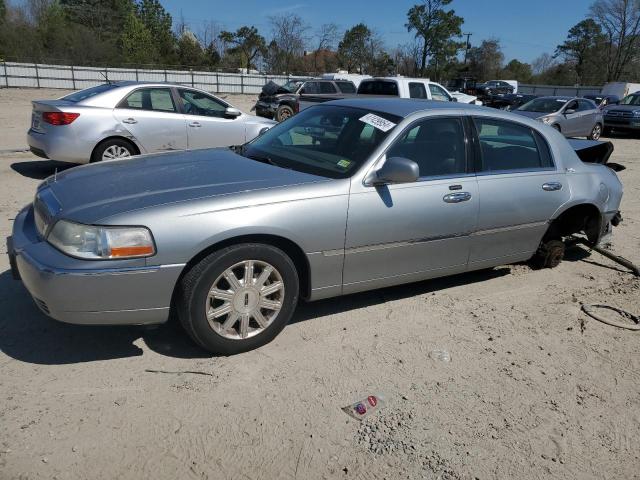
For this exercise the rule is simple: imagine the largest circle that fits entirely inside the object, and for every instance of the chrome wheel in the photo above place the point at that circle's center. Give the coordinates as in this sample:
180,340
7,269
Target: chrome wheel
596,132
245,299
115,151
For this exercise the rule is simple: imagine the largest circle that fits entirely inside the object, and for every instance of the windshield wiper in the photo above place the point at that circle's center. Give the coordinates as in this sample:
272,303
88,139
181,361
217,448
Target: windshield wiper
268,160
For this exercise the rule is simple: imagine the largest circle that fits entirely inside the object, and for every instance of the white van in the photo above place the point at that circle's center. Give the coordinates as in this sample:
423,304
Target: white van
406,87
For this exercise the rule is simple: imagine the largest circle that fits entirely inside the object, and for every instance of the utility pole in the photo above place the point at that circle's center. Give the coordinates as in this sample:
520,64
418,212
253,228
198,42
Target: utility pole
467,46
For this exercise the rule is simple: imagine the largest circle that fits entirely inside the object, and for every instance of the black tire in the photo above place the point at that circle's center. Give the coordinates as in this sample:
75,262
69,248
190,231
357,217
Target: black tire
194,288
98,152
549,255
284,112
596,132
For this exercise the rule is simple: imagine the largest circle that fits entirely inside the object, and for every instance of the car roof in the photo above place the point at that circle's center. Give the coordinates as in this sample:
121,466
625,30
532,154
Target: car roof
556,97
402,107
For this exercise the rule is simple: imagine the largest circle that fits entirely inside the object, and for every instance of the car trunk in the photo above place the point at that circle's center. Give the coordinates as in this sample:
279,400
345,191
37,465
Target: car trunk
41,106
591,151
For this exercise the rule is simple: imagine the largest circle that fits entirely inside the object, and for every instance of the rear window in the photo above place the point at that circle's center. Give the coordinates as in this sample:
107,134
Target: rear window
346,87
378,87
89,92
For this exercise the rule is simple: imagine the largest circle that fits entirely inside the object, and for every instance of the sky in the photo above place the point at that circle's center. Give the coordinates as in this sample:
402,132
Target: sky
525,29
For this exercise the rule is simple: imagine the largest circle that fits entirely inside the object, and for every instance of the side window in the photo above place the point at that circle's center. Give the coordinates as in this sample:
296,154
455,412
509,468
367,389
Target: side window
437,145
507,146
346,87
417,90
438,93
310,88
378,87
572,106
327,87
198,103
584,105
157,99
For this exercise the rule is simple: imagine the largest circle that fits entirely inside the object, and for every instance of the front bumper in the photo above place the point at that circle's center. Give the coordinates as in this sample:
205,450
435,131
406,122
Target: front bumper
266,109
124,292
622,123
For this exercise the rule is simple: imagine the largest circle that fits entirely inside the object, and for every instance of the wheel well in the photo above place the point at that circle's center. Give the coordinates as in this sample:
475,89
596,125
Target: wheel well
296,254
116,137
579,218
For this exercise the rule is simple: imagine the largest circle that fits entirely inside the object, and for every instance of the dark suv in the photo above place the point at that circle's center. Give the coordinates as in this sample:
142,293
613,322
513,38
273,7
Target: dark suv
624,116
282,101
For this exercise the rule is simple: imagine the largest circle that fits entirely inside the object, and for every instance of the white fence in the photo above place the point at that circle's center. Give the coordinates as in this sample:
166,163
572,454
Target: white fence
558,90
75,78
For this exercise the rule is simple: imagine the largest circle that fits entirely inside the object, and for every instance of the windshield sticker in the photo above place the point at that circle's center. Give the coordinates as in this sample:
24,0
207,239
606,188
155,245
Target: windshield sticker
378,122
344,163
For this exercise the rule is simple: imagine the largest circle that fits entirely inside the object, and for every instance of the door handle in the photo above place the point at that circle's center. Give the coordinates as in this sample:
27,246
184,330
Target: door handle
551,186
457,197
130,120
195,124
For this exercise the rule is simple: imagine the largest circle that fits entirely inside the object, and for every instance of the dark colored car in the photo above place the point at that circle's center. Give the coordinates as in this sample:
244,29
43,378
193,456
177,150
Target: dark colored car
280,102
489,91
466,85
511,101
603,100
623,116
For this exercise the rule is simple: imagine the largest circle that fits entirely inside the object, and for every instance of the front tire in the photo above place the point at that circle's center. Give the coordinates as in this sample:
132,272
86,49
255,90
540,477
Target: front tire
238,298
284,112
595,132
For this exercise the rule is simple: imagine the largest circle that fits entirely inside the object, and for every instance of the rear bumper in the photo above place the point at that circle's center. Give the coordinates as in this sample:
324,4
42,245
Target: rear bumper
81,292
59,147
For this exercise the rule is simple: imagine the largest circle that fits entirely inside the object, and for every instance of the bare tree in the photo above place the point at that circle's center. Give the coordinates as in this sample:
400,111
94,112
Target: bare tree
620,21
289,39
326,39
543,63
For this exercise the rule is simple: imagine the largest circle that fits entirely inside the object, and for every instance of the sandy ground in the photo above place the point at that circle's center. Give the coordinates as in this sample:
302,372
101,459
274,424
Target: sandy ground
533,388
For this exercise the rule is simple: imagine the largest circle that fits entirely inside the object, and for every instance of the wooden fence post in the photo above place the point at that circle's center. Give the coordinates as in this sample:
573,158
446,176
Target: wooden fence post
37,74
6,74
217,83
242,83
73,77
191,69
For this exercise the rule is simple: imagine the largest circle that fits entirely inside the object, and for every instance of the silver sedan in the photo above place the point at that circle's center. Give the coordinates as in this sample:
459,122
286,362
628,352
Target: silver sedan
117,120
573,117
346,196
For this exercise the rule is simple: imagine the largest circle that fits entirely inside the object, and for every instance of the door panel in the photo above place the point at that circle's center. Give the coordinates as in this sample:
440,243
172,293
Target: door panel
151,116
408,229
514,213
207,125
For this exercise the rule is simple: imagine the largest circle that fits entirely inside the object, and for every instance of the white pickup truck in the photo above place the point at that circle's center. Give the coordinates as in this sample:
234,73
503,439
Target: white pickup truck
406,87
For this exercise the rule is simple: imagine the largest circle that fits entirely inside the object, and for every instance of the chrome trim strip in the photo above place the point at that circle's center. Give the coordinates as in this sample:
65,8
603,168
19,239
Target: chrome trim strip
406,243
521,226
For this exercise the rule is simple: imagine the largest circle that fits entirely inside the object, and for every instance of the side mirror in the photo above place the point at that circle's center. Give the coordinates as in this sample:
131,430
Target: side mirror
232,112
453,99
394,170
569,111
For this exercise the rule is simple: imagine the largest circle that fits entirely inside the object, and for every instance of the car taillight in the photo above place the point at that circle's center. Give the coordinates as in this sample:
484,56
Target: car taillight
59,118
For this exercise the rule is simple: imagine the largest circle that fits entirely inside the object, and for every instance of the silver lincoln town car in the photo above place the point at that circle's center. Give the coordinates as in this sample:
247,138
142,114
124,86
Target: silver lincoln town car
346,196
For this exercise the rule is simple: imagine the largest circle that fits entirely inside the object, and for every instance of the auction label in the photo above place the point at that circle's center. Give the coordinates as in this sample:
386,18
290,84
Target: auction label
378,122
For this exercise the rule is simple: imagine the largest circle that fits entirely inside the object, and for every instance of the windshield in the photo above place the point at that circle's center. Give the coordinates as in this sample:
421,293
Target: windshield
292,85
543,105
326,140
88,92
631,100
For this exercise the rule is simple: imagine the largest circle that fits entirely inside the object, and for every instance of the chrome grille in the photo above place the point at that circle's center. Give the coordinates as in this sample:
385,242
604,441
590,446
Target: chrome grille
619,113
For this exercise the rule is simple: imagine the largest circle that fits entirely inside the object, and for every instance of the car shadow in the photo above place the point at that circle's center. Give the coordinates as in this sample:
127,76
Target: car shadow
28,335
40,169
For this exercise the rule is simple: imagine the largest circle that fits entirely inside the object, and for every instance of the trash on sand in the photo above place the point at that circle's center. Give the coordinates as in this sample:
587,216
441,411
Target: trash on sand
441,355
589,310
365,407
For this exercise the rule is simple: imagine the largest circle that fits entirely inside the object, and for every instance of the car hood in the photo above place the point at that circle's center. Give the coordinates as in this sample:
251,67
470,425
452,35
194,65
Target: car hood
531,114
93,192
623,108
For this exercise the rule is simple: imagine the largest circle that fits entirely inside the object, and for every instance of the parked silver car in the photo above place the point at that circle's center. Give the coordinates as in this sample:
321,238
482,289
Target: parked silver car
574,117
117,120
346,196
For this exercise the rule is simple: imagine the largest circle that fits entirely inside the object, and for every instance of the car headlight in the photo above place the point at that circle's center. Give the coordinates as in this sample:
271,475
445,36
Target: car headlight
100,242
546,119
636,113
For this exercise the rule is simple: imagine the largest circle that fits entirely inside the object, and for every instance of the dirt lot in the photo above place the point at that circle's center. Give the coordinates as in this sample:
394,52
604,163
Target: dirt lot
533,388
